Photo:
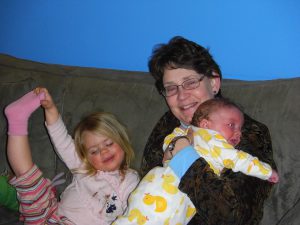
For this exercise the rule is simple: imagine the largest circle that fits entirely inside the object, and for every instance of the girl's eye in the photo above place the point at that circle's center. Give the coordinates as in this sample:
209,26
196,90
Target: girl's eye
109,143
93,151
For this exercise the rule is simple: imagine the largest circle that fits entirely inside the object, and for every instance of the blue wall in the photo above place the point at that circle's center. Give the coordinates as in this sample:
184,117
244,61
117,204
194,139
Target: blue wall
251,40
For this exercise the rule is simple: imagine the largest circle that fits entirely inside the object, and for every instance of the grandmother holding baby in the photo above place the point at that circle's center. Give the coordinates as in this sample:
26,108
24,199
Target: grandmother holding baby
186,75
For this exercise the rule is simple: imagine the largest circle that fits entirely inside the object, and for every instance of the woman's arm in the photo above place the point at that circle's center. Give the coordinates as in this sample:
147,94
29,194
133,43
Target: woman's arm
153,152
233,198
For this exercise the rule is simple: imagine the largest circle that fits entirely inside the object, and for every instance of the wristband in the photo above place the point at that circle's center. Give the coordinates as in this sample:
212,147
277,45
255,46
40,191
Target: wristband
183,160
172,144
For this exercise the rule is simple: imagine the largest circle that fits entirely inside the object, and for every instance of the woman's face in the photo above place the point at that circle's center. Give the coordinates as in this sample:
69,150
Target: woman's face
185,102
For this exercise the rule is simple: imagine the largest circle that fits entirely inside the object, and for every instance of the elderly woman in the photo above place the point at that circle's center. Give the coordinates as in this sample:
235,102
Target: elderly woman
187,75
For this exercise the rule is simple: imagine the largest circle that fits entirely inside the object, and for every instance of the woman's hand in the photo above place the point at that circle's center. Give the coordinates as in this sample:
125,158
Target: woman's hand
179,145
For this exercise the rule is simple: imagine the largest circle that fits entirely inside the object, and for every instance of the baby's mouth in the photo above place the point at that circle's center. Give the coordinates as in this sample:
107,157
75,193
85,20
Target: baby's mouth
233,142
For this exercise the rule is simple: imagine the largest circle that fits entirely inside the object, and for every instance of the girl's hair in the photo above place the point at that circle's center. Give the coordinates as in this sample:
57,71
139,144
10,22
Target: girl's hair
212,105
106,124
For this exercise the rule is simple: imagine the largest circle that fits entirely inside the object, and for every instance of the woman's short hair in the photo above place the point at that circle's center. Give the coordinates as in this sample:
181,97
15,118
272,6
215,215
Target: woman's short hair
181,53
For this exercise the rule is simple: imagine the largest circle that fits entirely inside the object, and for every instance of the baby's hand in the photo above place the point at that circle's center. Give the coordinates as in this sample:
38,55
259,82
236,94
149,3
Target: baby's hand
274,178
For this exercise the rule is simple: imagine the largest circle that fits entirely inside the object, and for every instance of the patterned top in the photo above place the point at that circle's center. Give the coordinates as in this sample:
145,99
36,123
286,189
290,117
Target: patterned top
233,198
97,199
219,154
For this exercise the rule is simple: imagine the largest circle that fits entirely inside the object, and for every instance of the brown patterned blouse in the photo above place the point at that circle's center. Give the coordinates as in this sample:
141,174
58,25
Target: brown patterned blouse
232,198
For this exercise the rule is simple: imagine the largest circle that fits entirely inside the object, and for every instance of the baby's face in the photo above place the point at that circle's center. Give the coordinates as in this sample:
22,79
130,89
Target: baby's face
228,121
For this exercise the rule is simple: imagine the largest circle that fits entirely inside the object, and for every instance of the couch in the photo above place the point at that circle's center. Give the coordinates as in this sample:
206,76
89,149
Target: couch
133,98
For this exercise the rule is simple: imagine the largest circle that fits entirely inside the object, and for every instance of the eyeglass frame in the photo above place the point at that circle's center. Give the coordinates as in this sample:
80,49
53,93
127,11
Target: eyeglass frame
163,91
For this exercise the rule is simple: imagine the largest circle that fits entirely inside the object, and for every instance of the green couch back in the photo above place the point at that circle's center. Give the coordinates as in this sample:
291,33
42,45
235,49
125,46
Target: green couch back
132,97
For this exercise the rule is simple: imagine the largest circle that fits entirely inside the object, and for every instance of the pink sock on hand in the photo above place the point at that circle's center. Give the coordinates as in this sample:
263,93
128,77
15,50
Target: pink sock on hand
18,112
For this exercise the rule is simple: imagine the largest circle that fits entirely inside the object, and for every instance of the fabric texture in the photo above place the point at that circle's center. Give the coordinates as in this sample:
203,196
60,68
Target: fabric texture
219,154
157,200
8,194
133,98
38,203
183,160
19,111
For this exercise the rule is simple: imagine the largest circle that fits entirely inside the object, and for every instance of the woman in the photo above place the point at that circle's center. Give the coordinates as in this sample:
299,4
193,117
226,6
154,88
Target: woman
187,75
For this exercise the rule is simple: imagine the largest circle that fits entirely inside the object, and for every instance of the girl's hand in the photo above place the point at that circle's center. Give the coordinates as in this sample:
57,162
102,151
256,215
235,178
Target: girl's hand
51,111
47,103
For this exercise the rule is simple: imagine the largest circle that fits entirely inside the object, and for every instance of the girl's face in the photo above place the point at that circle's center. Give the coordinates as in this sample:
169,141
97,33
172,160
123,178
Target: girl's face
102,152
228,122
185,102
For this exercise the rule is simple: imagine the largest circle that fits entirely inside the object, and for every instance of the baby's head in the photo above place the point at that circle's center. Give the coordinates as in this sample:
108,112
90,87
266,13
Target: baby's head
102,143
221,115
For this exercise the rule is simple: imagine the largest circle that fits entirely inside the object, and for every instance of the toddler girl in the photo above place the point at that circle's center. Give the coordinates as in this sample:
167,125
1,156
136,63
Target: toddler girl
99,159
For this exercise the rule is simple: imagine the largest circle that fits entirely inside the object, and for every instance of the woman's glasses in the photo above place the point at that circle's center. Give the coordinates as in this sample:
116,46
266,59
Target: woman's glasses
187,85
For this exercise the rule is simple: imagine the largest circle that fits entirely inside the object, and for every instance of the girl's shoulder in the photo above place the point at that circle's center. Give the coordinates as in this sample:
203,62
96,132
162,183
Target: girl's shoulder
131,178
132,174
129,182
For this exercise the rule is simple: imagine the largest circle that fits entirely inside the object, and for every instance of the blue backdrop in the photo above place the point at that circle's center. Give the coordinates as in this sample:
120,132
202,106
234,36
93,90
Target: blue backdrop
251,40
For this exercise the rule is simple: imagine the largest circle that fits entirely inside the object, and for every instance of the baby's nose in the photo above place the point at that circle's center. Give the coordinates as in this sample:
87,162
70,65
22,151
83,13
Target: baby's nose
237,135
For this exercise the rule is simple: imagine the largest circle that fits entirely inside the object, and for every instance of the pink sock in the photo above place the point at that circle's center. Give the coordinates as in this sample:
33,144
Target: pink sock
18,112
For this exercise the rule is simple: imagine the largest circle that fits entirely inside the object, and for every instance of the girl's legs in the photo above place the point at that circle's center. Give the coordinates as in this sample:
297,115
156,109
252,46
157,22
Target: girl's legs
18,148
38,204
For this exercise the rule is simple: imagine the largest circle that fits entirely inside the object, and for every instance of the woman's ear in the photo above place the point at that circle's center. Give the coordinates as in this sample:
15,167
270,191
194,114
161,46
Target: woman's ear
215,82
203,123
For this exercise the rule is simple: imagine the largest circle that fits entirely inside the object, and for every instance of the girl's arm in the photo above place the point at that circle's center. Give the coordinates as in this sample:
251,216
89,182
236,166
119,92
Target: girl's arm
62,141
64,144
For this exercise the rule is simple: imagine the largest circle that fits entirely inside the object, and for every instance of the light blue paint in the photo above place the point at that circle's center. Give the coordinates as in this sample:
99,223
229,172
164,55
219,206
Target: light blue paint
251,40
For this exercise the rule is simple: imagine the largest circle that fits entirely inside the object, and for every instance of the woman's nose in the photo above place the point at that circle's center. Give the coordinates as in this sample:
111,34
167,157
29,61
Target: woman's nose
182,93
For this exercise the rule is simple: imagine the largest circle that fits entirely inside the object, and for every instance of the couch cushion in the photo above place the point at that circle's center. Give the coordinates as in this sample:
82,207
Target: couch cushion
276,103
133,98
8,217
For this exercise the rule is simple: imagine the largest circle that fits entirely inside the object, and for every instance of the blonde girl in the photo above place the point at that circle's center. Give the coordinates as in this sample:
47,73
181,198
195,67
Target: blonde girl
99,159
